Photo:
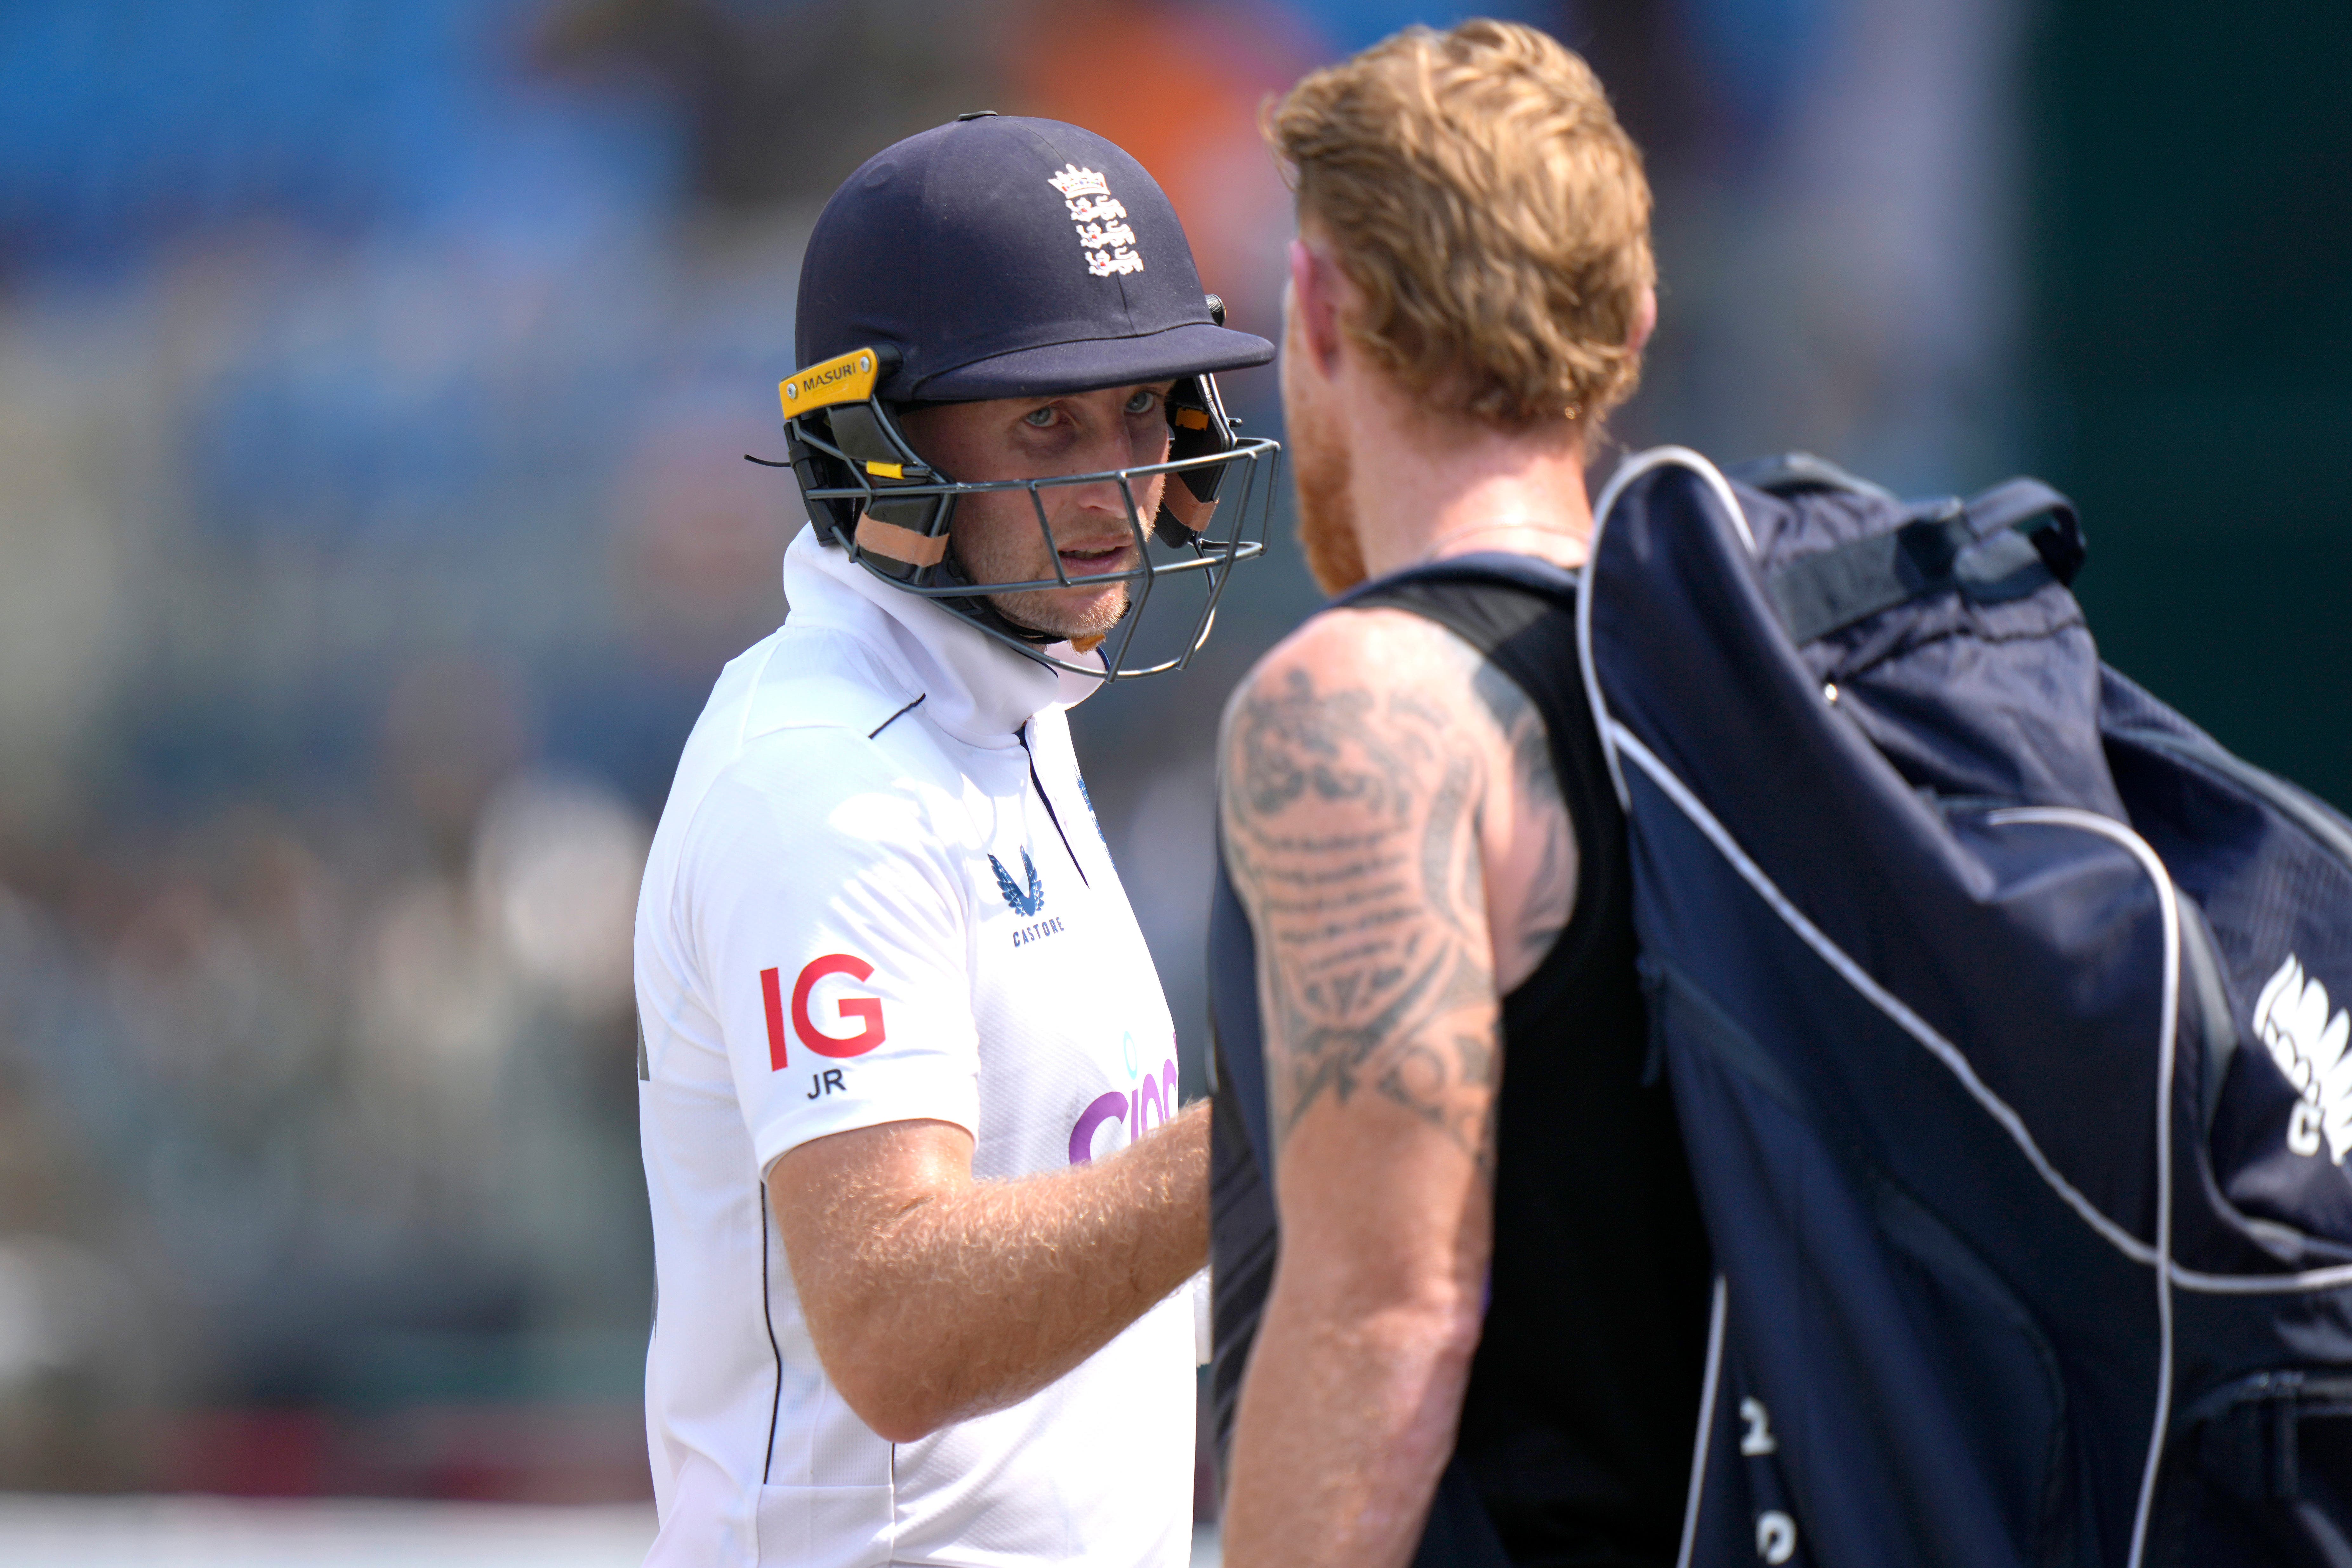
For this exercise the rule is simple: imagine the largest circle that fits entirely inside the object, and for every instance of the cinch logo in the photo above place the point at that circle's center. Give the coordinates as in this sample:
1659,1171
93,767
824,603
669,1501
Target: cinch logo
1027,903
868,1008
1140,1109
2291,1017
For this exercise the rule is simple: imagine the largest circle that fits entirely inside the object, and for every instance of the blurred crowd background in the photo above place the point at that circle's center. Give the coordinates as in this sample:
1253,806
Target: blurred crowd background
374,382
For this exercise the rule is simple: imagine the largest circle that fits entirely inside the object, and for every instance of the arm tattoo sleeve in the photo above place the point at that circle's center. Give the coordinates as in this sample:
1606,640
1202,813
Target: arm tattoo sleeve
1549,897
1351,830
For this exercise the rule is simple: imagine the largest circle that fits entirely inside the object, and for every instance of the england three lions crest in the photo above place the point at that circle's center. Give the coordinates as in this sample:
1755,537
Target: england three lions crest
1104,236
2308,1040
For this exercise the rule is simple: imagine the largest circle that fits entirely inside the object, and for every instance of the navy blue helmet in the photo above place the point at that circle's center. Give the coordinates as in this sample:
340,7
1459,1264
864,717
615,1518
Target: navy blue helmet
1001,257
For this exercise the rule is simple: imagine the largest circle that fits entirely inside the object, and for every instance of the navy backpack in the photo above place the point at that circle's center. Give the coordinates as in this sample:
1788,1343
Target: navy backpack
2005,1014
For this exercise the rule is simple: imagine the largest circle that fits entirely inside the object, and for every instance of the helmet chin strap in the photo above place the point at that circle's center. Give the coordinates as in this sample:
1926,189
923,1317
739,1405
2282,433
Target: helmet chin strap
1038,636
1022,629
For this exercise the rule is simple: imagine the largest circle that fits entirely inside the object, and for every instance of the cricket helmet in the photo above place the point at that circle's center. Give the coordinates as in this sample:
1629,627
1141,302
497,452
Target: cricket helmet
999,256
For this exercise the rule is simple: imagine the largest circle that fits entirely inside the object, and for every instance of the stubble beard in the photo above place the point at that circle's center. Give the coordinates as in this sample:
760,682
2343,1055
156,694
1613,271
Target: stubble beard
1060,612
1046,610
1327,504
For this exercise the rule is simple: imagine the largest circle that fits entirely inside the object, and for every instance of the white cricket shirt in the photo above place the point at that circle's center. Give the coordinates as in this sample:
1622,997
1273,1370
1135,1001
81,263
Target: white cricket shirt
878,893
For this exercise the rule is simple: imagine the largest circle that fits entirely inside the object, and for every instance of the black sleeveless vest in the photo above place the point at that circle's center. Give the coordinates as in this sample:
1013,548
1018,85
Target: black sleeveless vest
1577,1422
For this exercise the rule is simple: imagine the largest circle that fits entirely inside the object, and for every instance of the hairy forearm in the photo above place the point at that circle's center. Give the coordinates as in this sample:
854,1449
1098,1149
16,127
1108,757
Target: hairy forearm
940,1306
1347,1419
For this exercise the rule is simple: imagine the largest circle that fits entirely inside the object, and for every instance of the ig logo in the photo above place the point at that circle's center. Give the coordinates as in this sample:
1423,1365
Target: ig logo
867,1010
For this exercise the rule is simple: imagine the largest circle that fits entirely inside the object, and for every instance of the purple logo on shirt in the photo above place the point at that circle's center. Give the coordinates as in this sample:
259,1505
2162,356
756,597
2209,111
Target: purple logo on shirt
1149,1103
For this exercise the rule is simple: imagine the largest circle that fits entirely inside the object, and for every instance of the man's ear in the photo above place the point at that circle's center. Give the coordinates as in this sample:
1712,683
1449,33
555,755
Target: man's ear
1314,304
1645,322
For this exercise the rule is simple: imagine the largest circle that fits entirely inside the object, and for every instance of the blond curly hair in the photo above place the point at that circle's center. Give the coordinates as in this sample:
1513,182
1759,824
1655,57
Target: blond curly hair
1483,198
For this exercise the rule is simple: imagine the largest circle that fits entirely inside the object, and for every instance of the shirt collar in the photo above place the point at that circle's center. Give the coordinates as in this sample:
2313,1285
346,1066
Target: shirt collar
973,686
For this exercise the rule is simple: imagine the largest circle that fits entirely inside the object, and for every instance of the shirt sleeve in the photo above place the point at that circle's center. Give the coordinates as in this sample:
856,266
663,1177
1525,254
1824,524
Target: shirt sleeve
833,933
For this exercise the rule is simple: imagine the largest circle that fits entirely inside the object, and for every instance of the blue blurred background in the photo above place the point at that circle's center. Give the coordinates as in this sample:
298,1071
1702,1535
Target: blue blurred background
374,385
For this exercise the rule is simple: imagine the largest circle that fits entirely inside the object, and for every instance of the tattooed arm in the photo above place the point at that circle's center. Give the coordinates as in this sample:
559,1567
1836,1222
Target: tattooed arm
1394,828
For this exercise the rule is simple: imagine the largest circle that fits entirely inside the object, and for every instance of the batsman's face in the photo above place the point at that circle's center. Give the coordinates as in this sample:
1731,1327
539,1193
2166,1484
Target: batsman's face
995,536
